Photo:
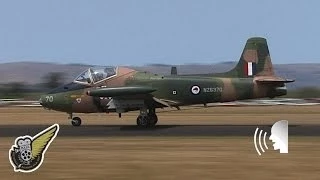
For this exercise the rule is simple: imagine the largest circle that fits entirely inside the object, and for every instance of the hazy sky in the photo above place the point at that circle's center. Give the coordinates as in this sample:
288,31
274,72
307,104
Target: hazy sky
136,32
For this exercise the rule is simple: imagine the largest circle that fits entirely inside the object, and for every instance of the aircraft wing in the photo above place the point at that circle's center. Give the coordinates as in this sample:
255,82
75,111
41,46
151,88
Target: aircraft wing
120,91
133,97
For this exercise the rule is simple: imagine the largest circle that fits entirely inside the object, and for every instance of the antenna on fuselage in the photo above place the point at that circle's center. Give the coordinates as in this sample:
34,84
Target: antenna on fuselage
174,70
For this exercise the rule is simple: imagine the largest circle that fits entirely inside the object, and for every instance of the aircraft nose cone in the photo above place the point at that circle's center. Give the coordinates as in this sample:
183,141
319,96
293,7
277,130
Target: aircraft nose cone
43,102
40,101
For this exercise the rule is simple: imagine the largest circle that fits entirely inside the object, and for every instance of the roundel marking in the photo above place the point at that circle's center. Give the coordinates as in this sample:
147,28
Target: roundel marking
195,89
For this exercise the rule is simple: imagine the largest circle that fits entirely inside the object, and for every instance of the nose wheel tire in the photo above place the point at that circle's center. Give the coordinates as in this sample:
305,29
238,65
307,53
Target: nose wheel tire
76,121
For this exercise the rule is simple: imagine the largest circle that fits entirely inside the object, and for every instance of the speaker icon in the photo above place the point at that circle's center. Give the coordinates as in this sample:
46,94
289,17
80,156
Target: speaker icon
279,136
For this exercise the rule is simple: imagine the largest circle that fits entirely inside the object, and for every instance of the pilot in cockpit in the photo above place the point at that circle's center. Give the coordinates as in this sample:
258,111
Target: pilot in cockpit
109,71
98,76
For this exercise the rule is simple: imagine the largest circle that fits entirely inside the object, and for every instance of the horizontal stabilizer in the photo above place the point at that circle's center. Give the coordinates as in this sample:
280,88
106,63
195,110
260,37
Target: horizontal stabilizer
119,91
274,80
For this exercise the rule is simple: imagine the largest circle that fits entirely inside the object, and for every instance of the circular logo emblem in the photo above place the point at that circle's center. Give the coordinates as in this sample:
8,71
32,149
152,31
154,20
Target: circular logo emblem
195,89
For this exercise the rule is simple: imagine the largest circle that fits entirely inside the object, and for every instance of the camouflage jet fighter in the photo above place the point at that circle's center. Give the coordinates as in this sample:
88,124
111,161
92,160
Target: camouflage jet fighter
121,89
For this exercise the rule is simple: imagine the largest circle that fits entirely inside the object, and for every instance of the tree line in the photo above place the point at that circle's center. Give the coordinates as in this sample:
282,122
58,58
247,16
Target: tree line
20,89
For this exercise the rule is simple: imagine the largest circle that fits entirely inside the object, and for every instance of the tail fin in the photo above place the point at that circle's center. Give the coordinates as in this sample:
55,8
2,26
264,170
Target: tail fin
254,61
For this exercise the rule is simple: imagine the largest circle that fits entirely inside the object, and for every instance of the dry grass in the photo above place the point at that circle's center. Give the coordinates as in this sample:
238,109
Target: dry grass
170,158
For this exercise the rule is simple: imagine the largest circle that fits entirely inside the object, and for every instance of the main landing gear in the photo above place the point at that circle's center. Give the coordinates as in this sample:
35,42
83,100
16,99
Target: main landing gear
75,121
147,118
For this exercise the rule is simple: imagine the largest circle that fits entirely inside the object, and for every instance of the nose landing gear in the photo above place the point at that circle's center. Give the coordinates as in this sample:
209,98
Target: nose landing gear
75,121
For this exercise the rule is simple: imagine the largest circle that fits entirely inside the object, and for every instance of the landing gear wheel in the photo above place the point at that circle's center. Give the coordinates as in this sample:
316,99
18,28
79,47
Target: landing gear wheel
76,121
153,119
142,121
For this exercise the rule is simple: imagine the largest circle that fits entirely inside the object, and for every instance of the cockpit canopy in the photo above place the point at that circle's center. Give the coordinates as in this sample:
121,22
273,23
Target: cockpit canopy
96,74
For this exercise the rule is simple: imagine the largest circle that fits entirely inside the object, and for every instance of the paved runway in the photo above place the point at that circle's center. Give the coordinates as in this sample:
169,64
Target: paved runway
160,130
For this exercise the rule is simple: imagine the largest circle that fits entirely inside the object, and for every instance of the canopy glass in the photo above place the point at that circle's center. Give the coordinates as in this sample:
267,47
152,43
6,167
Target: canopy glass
96,74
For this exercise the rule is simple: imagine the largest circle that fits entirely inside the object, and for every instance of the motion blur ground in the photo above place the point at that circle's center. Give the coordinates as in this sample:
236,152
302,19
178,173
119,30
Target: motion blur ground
170,157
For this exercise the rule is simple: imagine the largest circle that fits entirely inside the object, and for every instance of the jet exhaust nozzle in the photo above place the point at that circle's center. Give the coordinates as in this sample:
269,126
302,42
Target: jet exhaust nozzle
278,91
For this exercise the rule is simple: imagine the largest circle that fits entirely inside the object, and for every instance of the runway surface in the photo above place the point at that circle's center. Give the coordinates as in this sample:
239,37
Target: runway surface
160,130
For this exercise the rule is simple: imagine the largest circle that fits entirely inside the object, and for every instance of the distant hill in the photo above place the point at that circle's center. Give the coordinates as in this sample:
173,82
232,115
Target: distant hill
33,72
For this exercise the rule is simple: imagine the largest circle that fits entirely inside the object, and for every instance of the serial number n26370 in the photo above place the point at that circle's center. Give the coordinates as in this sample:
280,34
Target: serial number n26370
212,89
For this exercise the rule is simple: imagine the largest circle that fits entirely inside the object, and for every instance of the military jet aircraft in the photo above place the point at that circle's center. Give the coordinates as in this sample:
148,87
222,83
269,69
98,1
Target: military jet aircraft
121,89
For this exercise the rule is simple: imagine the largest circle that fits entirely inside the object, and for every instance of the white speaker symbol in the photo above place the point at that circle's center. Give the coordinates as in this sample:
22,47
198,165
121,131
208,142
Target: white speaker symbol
260,137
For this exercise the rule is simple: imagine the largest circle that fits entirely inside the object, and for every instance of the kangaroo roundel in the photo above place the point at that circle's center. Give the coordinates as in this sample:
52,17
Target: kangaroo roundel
195,89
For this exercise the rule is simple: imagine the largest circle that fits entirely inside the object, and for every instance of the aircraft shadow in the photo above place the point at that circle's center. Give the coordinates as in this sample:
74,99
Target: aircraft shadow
160,130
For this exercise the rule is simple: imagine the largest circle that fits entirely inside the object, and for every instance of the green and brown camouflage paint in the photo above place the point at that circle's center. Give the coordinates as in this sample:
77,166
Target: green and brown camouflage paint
176,89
